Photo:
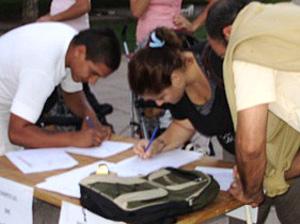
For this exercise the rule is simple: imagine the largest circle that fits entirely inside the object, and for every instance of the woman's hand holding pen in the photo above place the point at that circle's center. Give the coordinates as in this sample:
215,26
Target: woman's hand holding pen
155,148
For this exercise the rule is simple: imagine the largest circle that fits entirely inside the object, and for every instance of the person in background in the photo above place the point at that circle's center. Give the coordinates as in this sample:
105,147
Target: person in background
190,82
260,44
183,23
31,67
155,13
72,12
152,14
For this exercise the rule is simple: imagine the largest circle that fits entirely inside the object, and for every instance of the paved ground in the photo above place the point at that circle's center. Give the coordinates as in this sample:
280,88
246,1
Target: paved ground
115,90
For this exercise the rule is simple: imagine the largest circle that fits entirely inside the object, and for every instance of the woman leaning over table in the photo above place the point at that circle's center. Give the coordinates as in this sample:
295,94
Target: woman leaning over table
189,82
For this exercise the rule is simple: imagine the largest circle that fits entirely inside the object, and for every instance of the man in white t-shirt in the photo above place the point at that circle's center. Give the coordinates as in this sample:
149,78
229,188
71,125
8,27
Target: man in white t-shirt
33,60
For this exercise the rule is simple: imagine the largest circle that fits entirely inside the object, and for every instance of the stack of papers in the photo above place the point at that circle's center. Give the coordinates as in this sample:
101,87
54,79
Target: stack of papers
41,160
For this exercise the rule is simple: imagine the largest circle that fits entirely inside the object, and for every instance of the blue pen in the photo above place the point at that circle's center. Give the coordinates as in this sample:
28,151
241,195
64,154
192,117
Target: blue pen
151,139
89,122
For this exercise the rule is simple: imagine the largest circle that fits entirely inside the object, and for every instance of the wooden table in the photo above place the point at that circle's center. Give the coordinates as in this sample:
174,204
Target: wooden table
223,203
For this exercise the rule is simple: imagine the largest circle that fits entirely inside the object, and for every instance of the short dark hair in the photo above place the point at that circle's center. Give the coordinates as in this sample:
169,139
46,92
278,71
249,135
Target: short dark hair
150,69
102,46
221,14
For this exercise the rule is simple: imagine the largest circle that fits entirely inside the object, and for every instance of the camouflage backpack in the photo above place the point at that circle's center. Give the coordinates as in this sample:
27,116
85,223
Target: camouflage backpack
158,197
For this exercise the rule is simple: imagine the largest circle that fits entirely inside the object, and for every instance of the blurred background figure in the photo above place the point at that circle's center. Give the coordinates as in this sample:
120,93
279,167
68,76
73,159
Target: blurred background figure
181,22
71,12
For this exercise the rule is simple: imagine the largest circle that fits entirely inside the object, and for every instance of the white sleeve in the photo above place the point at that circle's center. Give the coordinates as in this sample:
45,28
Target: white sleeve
254,84
69,85
33,90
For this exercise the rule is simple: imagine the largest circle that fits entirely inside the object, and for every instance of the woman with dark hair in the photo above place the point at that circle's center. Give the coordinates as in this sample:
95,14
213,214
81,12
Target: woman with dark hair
188,82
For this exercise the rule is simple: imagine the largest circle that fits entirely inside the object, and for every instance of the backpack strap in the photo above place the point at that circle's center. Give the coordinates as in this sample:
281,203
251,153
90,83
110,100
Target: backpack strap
152,195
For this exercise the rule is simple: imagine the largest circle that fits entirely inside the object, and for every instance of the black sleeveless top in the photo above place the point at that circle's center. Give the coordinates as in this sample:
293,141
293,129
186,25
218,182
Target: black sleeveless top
213,118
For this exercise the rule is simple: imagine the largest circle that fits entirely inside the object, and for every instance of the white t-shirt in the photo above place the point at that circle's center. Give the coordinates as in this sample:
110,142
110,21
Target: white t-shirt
256,84
80,23
32,63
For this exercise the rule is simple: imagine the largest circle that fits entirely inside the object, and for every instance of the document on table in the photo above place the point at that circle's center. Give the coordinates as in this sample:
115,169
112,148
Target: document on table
74,214
68,183
16,202
134,166
106,149
240,213
223,176
41,160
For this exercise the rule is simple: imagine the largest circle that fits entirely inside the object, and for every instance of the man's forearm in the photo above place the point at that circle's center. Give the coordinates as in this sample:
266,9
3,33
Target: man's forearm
177,134
32,136
251,141
138,7
251,165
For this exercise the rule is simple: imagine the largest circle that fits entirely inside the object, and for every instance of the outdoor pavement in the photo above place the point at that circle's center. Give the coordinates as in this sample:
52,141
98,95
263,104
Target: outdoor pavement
115,90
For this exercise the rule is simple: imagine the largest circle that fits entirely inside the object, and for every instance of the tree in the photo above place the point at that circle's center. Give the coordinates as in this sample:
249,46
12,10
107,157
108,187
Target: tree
29,11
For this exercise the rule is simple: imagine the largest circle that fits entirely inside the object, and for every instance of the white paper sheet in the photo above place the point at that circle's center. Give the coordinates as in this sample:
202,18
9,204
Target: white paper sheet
223,176
68,183
41,160
15,202
74,214
106,149
240,213
136,166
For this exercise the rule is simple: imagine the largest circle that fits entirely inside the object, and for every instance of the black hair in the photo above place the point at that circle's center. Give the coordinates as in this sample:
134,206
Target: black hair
102,46
221,14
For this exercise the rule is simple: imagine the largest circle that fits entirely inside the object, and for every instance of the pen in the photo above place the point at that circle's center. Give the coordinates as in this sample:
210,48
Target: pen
151,139
89,122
